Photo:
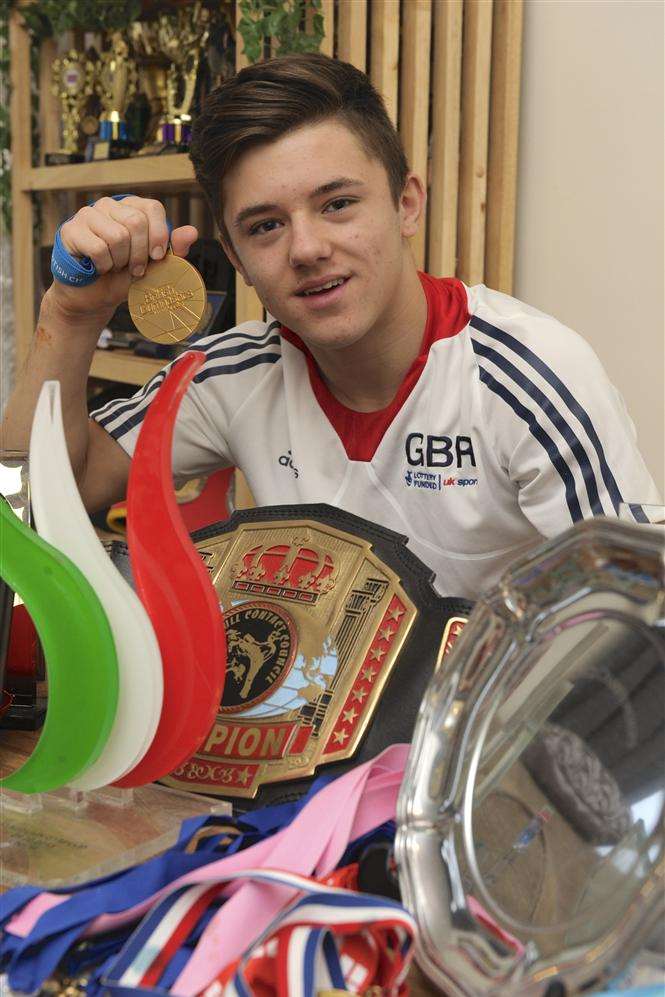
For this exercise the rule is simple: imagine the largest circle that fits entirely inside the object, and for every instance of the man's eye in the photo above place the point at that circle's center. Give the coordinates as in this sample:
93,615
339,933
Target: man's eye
339,203
260,227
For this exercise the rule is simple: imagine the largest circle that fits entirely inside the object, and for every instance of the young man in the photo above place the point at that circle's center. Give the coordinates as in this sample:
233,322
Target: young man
458,416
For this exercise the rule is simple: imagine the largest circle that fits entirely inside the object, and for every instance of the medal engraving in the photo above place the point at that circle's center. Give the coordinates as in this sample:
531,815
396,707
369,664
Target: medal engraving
169,301
163,299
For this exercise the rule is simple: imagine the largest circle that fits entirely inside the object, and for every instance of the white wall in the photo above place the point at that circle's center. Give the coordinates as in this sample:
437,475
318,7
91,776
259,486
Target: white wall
590,190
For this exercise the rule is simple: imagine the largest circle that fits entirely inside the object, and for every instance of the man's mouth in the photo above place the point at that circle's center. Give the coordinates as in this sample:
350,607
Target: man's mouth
324,292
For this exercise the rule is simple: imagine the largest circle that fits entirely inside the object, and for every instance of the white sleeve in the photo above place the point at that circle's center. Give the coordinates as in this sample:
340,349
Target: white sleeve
201,437
559,427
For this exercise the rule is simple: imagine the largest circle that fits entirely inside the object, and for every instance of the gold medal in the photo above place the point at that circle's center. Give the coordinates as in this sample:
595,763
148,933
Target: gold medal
168,302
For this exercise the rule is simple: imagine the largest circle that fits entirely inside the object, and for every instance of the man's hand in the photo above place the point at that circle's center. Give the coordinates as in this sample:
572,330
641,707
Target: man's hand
121,238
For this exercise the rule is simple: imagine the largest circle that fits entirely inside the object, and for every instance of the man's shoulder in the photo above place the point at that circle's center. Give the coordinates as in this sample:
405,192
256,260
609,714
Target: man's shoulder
256,334
503,323
251,349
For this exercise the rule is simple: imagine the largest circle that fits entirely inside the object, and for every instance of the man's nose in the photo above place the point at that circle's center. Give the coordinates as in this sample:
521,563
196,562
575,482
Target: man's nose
309,243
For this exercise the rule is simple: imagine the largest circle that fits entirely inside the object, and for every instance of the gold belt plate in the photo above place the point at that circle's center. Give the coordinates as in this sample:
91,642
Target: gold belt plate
315,623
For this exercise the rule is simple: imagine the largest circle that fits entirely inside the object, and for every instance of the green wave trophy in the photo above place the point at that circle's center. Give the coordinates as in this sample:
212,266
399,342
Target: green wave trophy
181,41
73,76
116,84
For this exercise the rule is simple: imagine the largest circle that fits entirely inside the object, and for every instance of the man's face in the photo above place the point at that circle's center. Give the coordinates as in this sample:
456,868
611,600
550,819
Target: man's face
310,208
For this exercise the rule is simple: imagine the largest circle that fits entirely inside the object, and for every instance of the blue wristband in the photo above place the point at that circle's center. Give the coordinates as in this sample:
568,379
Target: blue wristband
72,270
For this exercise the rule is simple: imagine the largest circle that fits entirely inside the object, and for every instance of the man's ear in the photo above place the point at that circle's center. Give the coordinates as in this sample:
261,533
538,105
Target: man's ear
235,260
411,205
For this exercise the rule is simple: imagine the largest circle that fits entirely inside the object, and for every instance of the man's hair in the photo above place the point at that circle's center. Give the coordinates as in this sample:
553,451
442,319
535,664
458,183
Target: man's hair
265,101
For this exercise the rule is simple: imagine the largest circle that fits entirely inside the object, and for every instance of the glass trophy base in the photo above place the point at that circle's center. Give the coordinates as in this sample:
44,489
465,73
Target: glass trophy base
163,149
108,148
66,837
172,137
62,158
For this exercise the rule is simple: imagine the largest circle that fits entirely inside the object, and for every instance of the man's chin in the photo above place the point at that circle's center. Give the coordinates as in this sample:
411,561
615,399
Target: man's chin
325,336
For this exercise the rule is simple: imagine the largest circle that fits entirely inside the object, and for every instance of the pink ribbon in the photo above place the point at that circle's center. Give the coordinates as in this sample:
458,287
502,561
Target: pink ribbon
22,923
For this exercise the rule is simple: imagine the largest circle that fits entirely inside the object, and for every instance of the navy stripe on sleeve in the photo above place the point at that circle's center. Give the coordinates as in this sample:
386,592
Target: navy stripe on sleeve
235,368
234,351
220,338
555,417
235,333
216,349
543,438
130,404
135,416
566,395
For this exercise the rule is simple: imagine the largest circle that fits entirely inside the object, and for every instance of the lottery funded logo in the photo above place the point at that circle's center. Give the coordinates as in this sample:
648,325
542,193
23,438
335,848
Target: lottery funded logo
261,648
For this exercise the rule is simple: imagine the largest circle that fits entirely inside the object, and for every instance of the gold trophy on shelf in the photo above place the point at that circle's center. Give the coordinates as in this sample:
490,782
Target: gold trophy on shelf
181,41
116,83
153,67
73,83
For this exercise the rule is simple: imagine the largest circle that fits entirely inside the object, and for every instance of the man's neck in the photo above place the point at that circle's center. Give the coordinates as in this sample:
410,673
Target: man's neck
366,376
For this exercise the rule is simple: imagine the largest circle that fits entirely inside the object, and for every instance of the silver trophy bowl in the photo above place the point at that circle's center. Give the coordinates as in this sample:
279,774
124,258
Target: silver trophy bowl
530,842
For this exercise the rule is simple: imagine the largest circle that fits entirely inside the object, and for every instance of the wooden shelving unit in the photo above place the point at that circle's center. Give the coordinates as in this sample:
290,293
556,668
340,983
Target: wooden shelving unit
139,172
467,152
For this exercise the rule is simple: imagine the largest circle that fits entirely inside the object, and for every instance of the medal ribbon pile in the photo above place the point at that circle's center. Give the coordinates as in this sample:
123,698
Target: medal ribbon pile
276,914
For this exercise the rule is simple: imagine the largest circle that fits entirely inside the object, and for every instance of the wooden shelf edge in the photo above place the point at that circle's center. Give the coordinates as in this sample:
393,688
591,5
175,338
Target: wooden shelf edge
134,173
116,365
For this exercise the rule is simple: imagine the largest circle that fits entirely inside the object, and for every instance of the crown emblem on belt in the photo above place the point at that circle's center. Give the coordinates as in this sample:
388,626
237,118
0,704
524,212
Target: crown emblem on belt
299,571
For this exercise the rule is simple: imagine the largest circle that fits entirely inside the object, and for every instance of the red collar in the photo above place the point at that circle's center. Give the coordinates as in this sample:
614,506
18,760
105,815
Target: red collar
362,432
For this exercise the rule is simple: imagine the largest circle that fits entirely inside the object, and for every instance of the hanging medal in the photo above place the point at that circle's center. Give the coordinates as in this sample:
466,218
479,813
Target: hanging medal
168,303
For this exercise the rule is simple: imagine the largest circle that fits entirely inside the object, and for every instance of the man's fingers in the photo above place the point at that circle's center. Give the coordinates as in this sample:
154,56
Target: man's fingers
89,244
145,221
182,238
137,226
125,234
78,234
158,230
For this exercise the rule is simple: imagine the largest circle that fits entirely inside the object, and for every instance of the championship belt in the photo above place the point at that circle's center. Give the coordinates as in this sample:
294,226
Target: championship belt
333,631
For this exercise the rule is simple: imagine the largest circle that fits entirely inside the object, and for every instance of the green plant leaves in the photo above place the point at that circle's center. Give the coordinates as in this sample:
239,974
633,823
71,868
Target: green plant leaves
284,22
52,17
